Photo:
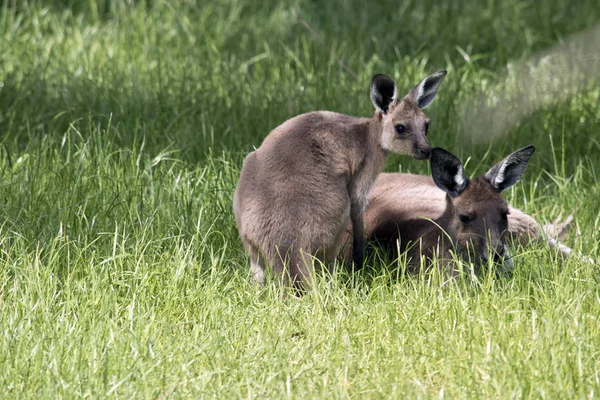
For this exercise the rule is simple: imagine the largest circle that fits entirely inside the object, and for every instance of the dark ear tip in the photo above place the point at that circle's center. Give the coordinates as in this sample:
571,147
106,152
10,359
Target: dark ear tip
440,157
381,78
445,168
435,155
529,150
439,75
438,152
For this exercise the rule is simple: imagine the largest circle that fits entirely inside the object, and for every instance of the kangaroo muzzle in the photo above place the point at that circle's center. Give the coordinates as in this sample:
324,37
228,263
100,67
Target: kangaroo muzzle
422,152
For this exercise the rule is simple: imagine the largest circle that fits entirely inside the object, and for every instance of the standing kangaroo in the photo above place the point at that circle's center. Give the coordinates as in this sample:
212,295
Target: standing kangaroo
465,217
311,175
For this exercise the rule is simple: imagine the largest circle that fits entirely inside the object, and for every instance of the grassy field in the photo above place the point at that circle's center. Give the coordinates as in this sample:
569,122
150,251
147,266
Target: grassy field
123,125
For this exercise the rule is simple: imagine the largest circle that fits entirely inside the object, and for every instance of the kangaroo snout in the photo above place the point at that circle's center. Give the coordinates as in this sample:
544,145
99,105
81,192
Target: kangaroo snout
495,252
422,152
502,257
498,252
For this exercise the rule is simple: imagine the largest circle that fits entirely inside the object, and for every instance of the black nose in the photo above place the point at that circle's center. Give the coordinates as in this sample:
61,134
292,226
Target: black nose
499,253
422,153
500,250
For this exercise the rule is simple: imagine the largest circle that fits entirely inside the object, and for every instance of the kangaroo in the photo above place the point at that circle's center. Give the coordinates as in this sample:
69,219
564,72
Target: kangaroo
310,177
448,212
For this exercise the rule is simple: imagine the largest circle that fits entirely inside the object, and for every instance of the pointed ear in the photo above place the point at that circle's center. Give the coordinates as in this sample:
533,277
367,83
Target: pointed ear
448,172
383,92
424,93
510,170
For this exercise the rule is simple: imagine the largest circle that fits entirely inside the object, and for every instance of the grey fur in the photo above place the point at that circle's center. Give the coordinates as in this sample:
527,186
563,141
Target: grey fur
310,178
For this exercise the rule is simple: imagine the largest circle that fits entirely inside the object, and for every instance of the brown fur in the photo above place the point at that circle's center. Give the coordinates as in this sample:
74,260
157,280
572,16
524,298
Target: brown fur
411,212
446,216
310,178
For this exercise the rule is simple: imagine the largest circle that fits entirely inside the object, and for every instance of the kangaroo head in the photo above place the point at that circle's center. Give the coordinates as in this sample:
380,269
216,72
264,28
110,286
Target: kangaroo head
403,124
479,214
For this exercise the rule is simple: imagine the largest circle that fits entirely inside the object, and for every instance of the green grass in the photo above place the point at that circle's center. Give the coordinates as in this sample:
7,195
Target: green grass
123,125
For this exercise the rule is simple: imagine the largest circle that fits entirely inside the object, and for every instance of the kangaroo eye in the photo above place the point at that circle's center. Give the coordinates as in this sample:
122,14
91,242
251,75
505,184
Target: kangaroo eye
504,215
427,127
465,219
400,129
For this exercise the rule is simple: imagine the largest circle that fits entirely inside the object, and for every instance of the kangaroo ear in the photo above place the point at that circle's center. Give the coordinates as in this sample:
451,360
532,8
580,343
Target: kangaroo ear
448,172
510,170
424,93
383,92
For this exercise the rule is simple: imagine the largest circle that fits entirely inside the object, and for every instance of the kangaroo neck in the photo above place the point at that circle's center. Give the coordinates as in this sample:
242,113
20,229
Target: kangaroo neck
376,154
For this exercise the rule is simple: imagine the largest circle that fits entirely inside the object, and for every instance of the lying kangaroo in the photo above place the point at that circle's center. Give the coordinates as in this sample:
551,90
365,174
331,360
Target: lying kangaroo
465,217
311,175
